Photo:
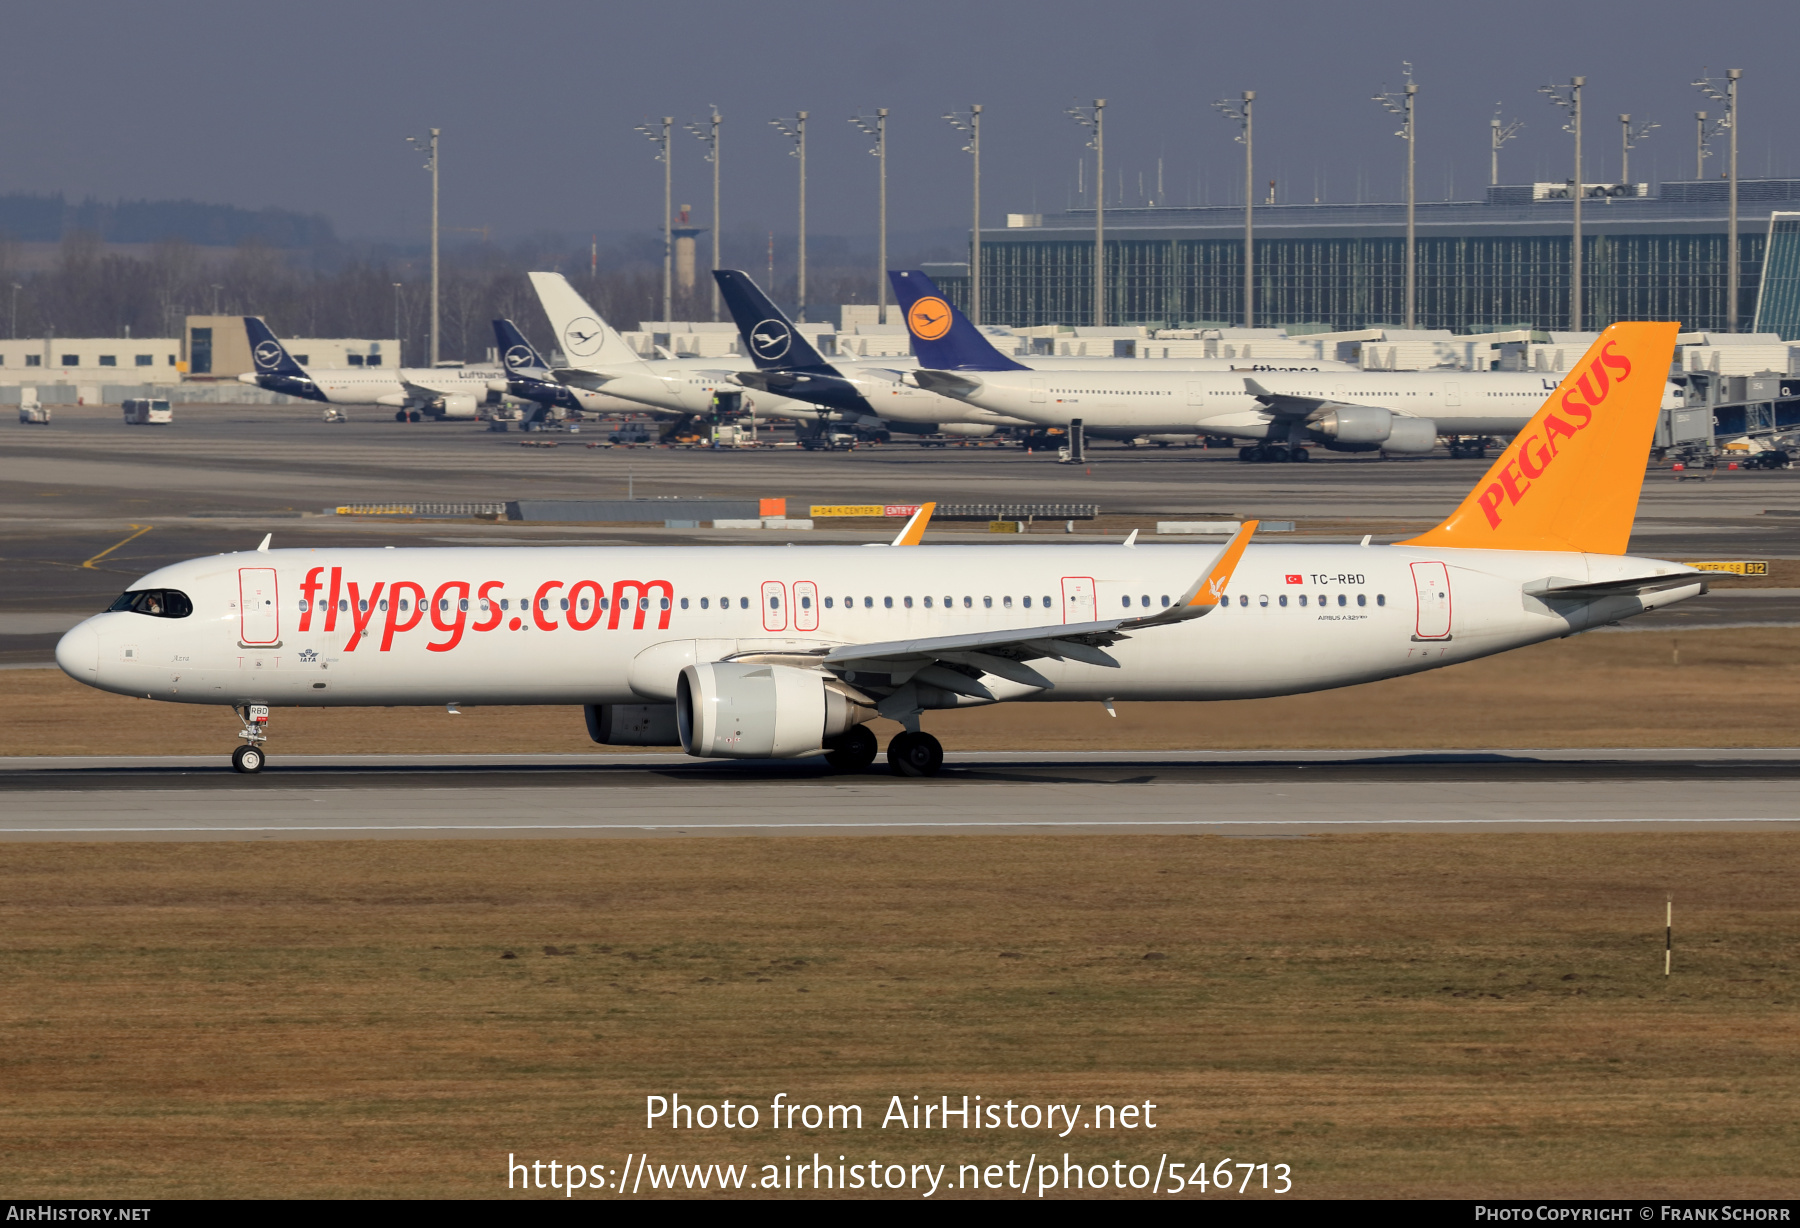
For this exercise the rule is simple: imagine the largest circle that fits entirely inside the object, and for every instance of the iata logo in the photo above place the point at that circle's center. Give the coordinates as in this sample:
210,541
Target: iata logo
1536,450
519,358
583,338
929,318
771,340
268,354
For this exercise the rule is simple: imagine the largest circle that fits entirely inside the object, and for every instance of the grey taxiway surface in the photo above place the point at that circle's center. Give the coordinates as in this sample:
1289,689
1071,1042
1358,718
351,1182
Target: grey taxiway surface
1267,794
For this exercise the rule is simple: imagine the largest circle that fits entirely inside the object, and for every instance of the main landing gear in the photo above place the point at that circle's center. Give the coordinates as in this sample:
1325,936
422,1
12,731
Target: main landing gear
852,751
1273,454
249,758
915,754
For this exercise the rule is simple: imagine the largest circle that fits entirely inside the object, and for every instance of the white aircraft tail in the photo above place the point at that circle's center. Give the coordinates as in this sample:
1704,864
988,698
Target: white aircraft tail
587,341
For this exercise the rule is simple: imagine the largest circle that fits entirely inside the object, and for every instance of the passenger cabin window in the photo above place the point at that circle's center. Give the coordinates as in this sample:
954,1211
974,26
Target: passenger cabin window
704,601
743,603
888,602
156,602
1380,599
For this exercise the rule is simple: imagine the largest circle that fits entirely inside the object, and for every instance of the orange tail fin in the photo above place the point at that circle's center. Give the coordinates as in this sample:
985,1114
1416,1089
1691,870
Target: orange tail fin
1570,480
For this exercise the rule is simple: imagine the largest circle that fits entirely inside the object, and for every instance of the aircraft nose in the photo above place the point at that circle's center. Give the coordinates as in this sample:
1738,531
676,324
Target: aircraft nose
78,652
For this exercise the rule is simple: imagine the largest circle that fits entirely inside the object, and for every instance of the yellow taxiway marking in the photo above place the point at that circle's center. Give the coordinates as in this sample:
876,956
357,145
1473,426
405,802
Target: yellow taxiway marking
141,530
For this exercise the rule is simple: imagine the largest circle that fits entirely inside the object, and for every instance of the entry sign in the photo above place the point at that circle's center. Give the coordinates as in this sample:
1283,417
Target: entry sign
1735,567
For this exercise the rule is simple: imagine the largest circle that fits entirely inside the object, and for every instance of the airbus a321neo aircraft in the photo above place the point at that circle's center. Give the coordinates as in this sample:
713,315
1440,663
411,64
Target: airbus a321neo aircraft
744,652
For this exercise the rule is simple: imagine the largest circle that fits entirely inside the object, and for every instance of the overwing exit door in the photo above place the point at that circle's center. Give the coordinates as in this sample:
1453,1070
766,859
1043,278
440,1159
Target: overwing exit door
1431,587
1078,599
774,605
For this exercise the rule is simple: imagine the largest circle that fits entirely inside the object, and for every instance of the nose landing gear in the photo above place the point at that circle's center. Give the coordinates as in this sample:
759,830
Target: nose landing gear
249,758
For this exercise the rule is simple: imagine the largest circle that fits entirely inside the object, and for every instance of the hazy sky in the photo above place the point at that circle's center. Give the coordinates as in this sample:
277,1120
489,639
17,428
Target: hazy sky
305,105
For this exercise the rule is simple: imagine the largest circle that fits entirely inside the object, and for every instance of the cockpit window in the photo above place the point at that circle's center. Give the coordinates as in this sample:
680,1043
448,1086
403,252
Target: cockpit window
156,602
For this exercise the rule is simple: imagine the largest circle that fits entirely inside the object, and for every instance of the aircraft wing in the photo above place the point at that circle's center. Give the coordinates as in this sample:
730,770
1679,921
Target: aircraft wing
957,663
957,384
1558,586
581,377
1288,405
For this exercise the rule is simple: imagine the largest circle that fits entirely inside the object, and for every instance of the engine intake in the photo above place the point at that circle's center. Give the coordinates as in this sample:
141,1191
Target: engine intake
457,405
733,710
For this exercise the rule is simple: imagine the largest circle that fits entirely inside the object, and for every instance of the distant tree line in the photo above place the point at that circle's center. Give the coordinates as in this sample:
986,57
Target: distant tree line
89,289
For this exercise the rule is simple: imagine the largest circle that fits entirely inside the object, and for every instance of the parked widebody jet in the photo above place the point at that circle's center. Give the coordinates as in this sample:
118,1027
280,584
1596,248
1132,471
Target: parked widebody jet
436,392
742,652
871,390
1279,414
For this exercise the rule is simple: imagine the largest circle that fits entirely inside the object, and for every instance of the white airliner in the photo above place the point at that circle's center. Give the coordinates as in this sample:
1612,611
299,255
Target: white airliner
880,398
438,392
600,360
746,652
1280,412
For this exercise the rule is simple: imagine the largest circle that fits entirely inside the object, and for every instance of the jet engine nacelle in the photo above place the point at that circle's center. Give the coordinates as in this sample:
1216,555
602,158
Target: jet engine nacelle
1365,428
457,405
966,429
734,710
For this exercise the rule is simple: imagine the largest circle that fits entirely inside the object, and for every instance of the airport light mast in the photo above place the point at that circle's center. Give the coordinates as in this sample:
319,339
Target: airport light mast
708,132
659,137
1628,139
400,358
1498,135
1403,105
1569,101
429,147
1240,113
797,134
876,126
970,122
1728,95
1095,117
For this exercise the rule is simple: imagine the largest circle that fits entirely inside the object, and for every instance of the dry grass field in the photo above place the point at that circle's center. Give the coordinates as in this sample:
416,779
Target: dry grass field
1730,688
1415,1016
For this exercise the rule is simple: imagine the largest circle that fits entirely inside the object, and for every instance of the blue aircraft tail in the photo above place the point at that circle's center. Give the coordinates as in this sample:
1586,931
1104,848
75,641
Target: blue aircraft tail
942,337
269,355
517,355
769,337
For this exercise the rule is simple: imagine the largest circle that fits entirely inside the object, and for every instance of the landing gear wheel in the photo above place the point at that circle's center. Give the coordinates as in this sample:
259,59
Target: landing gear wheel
853,751
915,754
1299,455
247,759
413,416
1276,454
1248,455
400,415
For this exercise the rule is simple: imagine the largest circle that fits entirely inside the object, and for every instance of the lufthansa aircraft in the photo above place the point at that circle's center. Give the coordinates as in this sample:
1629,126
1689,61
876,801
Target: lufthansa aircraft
438,392
529,378
1280,413
743,652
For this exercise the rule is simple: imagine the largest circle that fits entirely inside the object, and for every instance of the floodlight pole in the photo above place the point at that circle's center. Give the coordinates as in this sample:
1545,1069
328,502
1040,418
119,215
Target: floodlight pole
876,126
659,137
709,133
1404,108
1095,117
429,147
1240,113
1571,103
1701,152
1498,135
971,124
1727,123
1628,141
797,134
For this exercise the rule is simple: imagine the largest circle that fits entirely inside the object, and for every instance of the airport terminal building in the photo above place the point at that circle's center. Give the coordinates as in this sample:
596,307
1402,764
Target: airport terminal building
1497,263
